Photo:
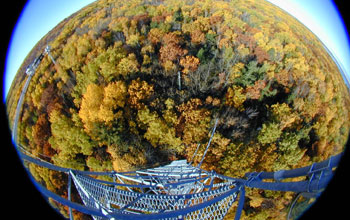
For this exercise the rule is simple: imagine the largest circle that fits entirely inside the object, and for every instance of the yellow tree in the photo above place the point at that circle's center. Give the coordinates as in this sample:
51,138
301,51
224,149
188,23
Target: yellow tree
190,64
126,161
157,130
90,106
216,152
68,140
128,65
193,121
235,97
155,35
227,39
285,115
240,156
114,97
139,90
99,104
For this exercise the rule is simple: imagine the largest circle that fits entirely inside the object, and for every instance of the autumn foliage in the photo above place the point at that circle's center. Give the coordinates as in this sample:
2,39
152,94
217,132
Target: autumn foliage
139,83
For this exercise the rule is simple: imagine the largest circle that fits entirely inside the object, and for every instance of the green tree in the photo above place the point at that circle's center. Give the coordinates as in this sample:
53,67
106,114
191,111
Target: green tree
98,165
269,133
109,60
290,154
251,73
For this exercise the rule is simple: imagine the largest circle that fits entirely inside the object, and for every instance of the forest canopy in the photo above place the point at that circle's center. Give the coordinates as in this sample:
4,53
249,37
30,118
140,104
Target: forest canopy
138,83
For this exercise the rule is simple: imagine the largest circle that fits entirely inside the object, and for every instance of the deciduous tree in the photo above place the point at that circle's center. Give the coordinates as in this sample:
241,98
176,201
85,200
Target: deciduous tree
69,141
193,121
157,131
190,63
139,91
269,133
90,106
235,97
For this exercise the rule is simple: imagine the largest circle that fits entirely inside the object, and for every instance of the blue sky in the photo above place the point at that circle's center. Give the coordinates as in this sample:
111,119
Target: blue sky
37,19
40,16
